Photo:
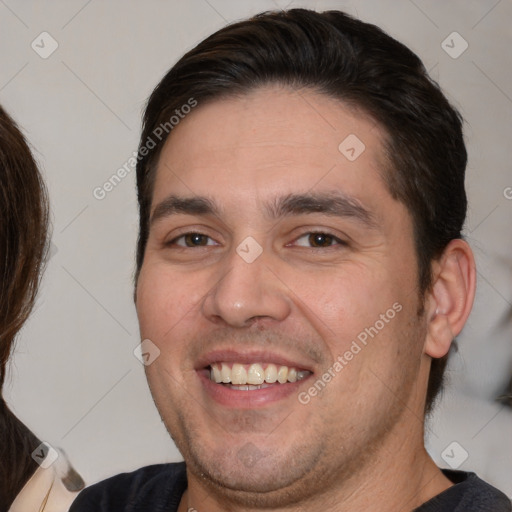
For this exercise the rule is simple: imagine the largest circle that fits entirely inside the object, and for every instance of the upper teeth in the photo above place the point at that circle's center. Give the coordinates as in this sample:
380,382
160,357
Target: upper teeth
254,374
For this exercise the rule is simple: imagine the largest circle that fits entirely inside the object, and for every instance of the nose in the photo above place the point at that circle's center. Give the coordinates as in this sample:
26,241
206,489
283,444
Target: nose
246,292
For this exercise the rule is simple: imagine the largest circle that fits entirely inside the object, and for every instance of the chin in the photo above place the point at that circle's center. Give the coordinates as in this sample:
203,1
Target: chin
247,475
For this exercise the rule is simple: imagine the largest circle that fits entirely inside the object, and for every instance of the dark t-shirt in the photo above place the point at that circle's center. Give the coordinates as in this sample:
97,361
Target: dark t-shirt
159,488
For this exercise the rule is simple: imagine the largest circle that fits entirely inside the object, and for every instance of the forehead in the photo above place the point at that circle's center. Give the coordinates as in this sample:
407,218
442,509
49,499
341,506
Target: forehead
272,139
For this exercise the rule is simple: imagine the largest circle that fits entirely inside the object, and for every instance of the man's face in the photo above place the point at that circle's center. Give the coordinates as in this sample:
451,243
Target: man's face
270,246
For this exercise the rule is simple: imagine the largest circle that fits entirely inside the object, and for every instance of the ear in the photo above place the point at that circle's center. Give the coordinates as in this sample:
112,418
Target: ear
450,299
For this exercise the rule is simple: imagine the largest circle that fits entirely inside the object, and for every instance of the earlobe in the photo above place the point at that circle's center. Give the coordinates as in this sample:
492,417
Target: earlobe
451,297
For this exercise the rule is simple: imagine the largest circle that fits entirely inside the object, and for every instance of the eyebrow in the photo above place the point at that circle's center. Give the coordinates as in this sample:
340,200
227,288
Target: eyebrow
333,204
172,205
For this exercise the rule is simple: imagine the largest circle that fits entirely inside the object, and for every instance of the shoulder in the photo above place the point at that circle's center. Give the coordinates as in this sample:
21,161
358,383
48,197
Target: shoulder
157,487
468,494
475,494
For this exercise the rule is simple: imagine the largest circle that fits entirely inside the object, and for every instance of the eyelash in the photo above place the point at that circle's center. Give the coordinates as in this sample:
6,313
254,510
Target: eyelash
337,241
190,233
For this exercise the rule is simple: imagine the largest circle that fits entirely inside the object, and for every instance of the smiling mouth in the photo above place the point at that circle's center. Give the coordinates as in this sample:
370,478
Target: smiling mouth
248,377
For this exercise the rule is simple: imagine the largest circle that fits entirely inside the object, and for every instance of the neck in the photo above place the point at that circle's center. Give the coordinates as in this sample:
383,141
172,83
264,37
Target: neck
16,463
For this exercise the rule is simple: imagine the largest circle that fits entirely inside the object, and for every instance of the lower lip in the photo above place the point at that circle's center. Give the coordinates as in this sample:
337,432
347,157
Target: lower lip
249,399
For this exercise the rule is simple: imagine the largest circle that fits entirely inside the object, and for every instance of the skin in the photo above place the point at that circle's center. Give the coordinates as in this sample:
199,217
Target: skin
357,444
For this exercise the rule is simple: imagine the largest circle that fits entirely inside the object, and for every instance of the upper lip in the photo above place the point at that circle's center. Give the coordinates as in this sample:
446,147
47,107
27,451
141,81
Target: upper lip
248,357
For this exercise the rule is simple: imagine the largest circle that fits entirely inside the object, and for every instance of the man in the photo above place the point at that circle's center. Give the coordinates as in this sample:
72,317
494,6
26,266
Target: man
301,274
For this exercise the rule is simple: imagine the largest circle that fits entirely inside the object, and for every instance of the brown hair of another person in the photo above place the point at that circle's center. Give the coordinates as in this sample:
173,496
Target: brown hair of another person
23,248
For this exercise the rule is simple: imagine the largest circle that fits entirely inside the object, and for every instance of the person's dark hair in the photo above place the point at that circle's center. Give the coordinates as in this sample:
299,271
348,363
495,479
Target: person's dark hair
346,59
23,245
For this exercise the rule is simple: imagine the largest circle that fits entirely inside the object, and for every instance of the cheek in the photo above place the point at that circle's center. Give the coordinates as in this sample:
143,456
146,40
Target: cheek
163,300
165,306
347,299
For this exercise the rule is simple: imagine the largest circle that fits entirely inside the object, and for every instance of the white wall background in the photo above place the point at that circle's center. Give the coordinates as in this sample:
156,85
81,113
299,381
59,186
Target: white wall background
74,379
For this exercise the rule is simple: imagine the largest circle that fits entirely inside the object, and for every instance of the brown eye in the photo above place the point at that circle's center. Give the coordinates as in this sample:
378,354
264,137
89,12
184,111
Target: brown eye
195,239
192,240
320,240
